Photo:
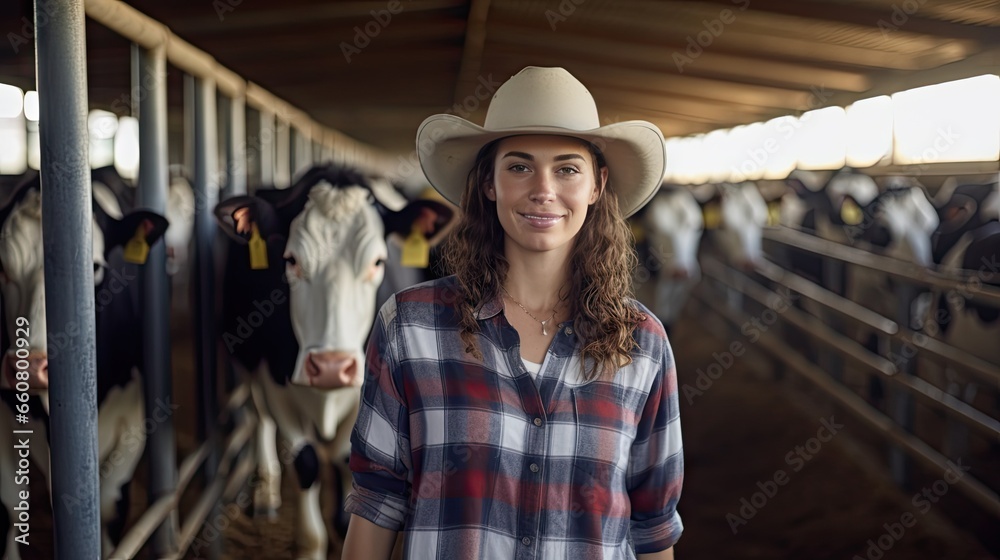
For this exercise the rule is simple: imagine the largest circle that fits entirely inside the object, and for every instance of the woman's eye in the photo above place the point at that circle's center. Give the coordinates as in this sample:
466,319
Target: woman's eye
569,170
518,167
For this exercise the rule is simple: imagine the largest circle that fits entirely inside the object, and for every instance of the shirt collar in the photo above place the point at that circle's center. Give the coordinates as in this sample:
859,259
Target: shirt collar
490,306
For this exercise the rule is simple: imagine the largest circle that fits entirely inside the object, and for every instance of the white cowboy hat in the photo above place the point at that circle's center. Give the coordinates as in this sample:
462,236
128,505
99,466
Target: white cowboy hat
544,101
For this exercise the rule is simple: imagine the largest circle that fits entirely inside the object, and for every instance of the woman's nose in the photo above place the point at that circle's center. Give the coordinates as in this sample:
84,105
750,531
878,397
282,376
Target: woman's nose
543,188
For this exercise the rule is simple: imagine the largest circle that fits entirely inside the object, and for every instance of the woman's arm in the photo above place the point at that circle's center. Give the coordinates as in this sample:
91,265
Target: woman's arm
667,554
366,540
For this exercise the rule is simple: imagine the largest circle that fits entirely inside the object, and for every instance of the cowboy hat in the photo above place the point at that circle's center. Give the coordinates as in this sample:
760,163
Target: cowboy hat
544,101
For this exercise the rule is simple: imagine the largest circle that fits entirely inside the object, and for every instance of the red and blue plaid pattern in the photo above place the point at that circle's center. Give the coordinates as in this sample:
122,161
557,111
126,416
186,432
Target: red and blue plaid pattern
475,460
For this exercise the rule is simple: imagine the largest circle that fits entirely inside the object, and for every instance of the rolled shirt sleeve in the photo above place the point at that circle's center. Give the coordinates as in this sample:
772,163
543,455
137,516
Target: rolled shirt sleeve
380,448
656,464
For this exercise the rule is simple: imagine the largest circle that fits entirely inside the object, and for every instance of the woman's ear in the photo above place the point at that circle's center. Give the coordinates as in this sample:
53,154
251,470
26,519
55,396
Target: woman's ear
600,187
490,192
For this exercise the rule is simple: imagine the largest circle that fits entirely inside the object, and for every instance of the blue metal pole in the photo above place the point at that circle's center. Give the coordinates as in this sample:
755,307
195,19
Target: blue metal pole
150,81
206,197
67,242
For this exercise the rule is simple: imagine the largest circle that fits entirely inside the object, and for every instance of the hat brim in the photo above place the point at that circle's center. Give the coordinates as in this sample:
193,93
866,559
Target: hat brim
447,147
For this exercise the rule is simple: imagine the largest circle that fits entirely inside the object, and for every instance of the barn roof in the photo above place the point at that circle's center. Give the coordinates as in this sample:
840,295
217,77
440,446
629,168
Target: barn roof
374,69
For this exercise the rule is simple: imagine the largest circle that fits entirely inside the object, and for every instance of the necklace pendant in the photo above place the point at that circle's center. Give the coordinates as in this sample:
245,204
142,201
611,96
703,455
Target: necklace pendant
544,330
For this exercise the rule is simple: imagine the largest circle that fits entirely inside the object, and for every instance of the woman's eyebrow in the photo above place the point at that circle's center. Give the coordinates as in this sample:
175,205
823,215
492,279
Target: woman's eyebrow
530,157
521,155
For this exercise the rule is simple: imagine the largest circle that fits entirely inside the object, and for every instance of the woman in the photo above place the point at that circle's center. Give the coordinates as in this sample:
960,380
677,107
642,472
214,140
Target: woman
525,406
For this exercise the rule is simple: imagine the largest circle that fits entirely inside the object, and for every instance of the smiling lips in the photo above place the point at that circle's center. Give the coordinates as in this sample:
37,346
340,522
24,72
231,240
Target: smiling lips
542,220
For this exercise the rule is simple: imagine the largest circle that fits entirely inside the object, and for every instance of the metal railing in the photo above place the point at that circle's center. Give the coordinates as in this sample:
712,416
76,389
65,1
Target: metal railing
896,426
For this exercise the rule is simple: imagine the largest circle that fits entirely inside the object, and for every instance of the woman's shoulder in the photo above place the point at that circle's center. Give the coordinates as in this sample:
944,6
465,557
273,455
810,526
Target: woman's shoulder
650,325
438,290
421,303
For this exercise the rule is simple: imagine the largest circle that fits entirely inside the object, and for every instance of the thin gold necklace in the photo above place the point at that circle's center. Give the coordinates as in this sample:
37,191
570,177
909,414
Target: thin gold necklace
544,323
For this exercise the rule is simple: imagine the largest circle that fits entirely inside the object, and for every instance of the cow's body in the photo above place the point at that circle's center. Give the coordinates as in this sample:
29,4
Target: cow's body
121,426
673,225
296,327
967,242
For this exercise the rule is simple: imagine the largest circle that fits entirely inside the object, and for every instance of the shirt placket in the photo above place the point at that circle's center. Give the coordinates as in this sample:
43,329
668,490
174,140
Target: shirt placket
536,449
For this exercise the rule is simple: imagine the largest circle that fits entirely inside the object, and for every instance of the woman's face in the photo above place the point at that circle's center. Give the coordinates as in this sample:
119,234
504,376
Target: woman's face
542,186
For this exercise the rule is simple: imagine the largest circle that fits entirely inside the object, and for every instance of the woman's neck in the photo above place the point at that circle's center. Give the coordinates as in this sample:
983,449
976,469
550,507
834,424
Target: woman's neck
538,280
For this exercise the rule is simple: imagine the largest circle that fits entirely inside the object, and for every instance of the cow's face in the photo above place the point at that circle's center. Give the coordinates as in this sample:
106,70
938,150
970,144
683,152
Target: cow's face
902,222
180,212
334,261
674,222
744,215
22,283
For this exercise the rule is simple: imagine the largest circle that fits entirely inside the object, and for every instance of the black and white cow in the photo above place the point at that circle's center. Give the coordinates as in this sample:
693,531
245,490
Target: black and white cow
121,414
296,325
671,226
968,241
179,212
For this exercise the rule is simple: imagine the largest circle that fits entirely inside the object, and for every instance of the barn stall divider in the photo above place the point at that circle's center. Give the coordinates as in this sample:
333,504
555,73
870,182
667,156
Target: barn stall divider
735,295
62,67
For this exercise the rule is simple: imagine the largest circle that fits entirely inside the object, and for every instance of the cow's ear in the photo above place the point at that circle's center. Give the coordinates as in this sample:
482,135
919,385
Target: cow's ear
150,225
237,215
432,218
31,180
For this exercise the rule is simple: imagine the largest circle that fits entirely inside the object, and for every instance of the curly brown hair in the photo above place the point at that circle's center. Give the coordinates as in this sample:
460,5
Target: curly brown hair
602,264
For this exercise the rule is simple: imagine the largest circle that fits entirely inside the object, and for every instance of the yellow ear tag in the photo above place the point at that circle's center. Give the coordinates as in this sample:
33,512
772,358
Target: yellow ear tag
258,250
712,216
136,250
773,213
850,213
416,250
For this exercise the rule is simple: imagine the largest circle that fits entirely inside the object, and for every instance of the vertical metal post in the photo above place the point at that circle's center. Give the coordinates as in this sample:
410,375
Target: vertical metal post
266,141
234,130
149,82
282,163
317,150
901,405
829,359
67,242
206,194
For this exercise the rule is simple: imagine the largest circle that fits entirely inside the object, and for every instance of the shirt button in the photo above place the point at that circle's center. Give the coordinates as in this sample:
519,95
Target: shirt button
526,541
538,421
569,330
533,467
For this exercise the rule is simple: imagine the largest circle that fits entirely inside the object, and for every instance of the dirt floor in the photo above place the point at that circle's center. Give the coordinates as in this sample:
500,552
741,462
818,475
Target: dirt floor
759,482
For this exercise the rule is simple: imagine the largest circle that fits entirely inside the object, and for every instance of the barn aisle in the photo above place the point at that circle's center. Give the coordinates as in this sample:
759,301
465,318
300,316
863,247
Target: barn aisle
742,436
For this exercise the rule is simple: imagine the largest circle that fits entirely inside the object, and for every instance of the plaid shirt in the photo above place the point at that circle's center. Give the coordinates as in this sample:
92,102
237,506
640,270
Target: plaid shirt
477,461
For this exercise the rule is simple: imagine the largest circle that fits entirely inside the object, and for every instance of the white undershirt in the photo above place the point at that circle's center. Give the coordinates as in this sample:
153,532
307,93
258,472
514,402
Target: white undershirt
532,367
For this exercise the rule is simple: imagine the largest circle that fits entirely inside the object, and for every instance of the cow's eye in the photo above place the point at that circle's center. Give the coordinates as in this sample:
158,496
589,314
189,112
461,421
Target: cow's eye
97,267
379,261
290,260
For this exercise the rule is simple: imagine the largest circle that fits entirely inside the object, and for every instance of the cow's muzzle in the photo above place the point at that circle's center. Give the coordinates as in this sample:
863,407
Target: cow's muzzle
331,370
37,369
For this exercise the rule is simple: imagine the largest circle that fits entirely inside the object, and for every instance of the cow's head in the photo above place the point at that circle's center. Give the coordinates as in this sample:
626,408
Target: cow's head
180,213
674,224
22,279
901,222
742,217
334,232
